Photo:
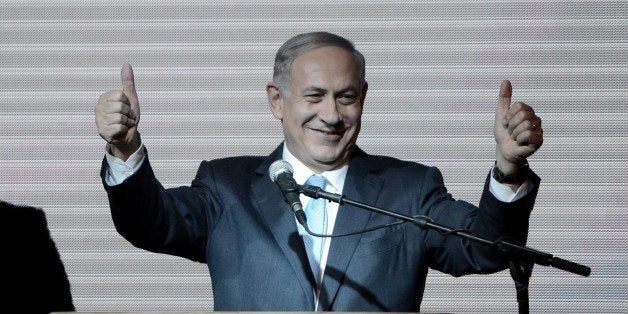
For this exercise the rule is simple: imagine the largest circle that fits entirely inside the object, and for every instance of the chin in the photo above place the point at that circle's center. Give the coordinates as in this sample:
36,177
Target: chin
331,157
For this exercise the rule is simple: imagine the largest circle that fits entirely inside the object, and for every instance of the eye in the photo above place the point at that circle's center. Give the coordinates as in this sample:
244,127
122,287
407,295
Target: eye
347,99
314,97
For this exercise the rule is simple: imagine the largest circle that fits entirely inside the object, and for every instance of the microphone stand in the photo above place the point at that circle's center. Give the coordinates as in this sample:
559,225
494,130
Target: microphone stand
522,258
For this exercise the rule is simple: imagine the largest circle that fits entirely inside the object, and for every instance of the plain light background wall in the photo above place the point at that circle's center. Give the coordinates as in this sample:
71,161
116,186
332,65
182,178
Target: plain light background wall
433,67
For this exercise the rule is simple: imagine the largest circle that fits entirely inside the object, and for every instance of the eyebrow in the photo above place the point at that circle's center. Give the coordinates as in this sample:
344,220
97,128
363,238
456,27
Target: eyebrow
314,89
325,91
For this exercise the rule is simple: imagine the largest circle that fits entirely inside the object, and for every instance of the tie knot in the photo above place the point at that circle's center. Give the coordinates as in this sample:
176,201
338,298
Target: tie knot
316,180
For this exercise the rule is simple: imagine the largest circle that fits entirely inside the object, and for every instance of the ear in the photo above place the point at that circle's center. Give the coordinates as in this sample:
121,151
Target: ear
274,99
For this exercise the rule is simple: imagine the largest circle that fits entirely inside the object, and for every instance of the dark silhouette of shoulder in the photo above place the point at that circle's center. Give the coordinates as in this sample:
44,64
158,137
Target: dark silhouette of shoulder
34,277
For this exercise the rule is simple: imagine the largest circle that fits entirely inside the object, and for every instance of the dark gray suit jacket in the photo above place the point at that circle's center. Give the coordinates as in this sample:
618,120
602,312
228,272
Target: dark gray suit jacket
234,218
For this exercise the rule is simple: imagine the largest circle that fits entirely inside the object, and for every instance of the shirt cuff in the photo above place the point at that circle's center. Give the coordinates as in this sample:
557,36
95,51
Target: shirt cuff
505,194
120,170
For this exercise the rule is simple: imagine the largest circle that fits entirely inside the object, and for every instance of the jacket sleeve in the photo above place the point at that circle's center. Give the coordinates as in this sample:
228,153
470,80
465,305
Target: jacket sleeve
171,221
492,219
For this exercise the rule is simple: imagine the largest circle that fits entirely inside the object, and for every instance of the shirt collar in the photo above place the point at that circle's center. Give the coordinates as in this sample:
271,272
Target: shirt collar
335,178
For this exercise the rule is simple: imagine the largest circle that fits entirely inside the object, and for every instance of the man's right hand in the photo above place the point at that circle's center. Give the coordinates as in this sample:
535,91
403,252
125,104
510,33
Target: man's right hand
117,116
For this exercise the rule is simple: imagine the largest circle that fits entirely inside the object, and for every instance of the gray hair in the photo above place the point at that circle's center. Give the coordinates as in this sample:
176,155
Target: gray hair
302,43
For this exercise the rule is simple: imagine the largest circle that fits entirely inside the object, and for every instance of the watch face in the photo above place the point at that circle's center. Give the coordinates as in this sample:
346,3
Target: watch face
498,175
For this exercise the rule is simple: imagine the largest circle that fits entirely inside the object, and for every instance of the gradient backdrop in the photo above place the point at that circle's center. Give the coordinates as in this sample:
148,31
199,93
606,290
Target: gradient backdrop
434,69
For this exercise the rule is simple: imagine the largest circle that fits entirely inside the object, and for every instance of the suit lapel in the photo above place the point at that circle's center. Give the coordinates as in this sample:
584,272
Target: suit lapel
363,186
281,222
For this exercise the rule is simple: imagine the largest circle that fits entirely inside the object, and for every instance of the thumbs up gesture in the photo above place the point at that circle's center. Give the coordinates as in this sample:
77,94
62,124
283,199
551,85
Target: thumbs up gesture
517,130
117,116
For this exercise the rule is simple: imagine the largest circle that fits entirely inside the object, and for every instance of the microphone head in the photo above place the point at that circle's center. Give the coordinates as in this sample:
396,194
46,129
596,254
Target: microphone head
278,167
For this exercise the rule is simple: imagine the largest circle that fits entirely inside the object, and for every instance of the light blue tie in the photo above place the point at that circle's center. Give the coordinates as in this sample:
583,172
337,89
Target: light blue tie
317,223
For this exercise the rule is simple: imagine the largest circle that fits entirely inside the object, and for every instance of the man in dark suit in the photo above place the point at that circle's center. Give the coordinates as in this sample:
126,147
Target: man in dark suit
35,280
234,218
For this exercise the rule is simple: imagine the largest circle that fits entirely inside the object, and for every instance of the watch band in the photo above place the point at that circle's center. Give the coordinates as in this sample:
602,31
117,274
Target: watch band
518,178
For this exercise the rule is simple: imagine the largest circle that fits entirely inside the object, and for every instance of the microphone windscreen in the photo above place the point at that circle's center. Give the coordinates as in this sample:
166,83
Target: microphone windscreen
278,167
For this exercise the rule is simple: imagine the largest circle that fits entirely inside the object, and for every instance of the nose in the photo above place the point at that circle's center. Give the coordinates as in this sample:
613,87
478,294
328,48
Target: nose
329,112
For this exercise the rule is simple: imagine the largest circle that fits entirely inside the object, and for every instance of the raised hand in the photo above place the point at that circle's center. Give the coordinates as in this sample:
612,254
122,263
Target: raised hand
518,131
117,116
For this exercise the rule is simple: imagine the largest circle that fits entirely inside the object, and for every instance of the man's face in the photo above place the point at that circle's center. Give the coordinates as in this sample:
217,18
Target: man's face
321,113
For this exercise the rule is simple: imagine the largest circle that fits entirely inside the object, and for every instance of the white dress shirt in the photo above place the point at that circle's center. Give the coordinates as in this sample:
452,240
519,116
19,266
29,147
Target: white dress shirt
335,183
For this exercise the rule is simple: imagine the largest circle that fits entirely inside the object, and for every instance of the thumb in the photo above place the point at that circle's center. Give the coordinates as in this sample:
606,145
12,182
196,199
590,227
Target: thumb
505,94
128,87
503,103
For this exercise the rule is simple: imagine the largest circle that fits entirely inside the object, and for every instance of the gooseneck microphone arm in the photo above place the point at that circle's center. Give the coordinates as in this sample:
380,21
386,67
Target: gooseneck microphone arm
513,251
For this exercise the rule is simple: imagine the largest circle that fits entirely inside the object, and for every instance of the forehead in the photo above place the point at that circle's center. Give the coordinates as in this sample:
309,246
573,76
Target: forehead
325,65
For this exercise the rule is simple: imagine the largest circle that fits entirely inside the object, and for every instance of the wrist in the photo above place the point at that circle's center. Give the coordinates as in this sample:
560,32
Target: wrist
123,152
515,175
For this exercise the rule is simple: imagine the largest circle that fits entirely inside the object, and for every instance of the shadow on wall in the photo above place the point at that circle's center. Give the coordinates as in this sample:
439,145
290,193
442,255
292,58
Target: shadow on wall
34,277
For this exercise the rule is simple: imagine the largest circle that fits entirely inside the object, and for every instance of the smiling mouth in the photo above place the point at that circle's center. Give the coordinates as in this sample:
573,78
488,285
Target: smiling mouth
330,134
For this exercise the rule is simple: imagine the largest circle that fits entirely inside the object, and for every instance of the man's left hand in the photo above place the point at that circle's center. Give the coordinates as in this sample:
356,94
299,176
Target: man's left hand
518,131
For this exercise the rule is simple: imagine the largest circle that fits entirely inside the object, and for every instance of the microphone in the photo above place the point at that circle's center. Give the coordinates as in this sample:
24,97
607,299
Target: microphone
280,172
